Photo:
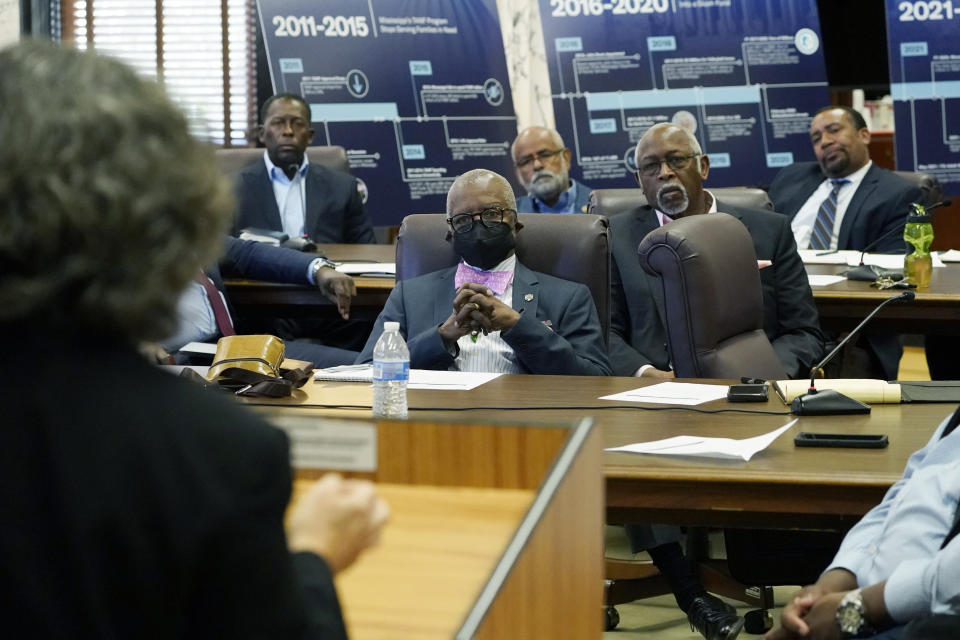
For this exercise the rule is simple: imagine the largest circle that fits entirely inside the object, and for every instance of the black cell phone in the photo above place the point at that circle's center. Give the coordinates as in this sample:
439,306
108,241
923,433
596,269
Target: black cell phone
747,393
855,440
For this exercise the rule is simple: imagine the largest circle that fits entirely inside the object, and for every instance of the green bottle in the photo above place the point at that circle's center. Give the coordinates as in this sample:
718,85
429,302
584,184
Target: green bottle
918,232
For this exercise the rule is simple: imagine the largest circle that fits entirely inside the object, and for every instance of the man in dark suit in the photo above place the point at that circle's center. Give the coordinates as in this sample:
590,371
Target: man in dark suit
543,168
134,504
671,171
287,193
844,201
201,310
491,313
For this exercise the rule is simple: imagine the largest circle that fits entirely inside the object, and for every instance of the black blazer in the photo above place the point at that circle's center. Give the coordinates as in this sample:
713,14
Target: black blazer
136,505
334,211
879,206
637,336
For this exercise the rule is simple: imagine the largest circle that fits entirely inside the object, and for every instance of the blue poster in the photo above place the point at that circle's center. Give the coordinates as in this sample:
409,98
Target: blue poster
924,44
415,90
745,76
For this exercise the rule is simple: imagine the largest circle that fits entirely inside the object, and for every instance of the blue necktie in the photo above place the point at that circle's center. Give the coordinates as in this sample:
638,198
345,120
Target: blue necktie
823,227
293,213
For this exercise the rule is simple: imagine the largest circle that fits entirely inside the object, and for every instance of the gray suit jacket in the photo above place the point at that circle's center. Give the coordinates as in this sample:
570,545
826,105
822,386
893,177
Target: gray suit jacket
334,211
558,332
637,336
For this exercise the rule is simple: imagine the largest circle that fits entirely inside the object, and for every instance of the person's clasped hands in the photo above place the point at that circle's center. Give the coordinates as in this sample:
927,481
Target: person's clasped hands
477,309
337,519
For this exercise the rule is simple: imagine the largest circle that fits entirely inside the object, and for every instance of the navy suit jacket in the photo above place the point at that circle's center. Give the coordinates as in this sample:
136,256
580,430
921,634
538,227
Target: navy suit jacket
637,335
880,204
525,203
573,345
334,210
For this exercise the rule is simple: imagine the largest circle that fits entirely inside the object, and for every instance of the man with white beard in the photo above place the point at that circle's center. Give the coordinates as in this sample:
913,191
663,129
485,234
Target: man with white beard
543,168
671,171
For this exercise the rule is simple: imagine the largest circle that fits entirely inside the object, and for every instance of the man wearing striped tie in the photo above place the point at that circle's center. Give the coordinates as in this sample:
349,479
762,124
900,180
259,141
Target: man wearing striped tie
490,313
844,201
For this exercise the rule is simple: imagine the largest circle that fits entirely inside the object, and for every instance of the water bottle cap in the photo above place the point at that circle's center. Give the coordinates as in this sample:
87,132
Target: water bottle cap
391,326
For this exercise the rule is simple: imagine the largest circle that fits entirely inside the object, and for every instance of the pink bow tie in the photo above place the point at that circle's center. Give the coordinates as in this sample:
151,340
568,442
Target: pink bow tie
496,281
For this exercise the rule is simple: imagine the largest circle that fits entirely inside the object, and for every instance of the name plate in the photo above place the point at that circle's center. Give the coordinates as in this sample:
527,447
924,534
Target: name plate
334,445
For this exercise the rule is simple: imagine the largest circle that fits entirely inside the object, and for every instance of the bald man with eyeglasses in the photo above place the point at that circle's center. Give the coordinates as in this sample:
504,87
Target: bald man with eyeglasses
543,168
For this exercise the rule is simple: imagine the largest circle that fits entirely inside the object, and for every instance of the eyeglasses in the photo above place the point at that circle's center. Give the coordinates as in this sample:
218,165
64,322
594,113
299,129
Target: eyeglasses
652,168
542,156
489,217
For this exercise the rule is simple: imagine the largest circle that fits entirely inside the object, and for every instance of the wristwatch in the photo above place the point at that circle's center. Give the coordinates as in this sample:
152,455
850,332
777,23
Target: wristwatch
318,264
852,617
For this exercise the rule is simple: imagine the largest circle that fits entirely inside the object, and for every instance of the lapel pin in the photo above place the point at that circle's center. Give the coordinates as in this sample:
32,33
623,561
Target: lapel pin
528,297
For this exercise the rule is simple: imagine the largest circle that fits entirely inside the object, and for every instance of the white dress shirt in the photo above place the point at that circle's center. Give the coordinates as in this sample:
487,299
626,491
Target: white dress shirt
490,353
802,224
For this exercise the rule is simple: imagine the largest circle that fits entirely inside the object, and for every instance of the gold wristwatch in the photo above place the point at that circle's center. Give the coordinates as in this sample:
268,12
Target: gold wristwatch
852,617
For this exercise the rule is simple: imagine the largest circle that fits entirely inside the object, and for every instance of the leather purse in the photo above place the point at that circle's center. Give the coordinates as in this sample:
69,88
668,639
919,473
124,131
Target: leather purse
253,365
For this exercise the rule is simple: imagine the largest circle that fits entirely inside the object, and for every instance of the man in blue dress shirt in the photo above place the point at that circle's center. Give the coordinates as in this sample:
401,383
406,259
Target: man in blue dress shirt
900,565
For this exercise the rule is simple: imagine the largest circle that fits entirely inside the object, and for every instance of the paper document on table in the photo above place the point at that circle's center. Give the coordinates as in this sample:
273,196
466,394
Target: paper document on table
820,280
819,256
725,448
889,260
200,347
368,268
687,393
950,256
419,378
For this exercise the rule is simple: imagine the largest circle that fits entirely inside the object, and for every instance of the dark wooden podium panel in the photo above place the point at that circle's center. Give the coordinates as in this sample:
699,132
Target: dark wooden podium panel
496,529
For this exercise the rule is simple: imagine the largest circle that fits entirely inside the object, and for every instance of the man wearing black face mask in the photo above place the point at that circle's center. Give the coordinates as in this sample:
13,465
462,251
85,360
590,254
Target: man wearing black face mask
490,313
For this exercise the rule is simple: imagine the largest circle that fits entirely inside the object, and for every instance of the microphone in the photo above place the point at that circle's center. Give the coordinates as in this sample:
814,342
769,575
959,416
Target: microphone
869,272
830,402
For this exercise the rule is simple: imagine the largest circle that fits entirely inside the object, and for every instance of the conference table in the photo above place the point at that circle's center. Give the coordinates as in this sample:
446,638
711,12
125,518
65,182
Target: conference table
781,486
840,305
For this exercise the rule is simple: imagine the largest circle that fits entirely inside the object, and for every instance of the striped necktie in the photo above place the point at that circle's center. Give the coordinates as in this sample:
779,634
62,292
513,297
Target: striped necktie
823,227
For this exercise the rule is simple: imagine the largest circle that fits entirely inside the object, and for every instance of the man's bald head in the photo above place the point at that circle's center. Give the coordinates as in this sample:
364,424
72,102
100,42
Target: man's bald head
542,163
671,169
482,185
537,135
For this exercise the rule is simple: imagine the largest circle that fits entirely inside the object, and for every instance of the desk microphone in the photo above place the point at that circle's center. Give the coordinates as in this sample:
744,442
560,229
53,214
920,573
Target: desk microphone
869,272
830,402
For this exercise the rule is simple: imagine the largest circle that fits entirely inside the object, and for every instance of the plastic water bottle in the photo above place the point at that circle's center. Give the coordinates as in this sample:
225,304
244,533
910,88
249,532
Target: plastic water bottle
918,232
391,370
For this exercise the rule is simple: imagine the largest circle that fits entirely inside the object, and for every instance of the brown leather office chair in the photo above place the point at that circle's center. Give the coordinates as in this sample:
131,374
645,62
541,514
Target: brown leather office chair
930,186
572,247
712,299
610,202
233,159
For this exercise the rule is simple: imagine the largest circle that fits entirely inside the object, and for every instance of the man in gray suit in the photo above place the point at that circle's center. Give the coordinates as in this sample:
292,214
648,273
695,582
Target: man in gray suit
671,172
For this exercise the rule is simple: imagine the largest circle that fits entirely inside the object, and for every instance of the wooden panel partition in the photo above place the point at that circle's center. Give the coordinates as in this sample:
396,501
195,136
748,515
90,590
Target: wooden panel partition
495,529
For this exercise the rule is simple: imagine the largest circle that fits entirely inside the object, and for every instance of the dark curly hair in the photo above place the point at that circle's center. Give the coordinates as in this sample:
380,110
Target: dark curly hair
107,204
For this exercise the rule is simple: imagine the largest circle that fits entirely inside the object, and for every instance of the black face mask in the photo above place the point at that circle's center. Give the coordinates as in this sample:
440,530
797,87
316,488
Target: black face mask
482,247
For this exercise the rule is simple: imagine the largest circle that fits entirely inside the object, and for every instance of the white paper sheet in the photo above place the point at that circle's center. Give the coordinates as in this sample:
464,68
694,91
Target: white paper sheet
823,280
950,256
687,393
419,378
723,448
819,256
368,268
200,347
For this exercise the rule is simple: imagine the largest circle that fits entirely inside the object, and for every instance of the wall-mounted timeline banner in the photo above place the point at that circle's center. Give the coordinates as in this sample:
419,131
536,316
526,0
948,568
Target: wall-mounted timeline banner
415,90
745,76
924,43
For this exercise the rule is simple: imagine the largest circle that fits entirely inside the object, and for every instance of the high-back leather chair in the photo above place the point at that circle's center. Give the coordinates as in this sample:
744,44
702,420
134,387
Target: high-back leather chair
233,159
930,186
572,247
712,298
610,202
